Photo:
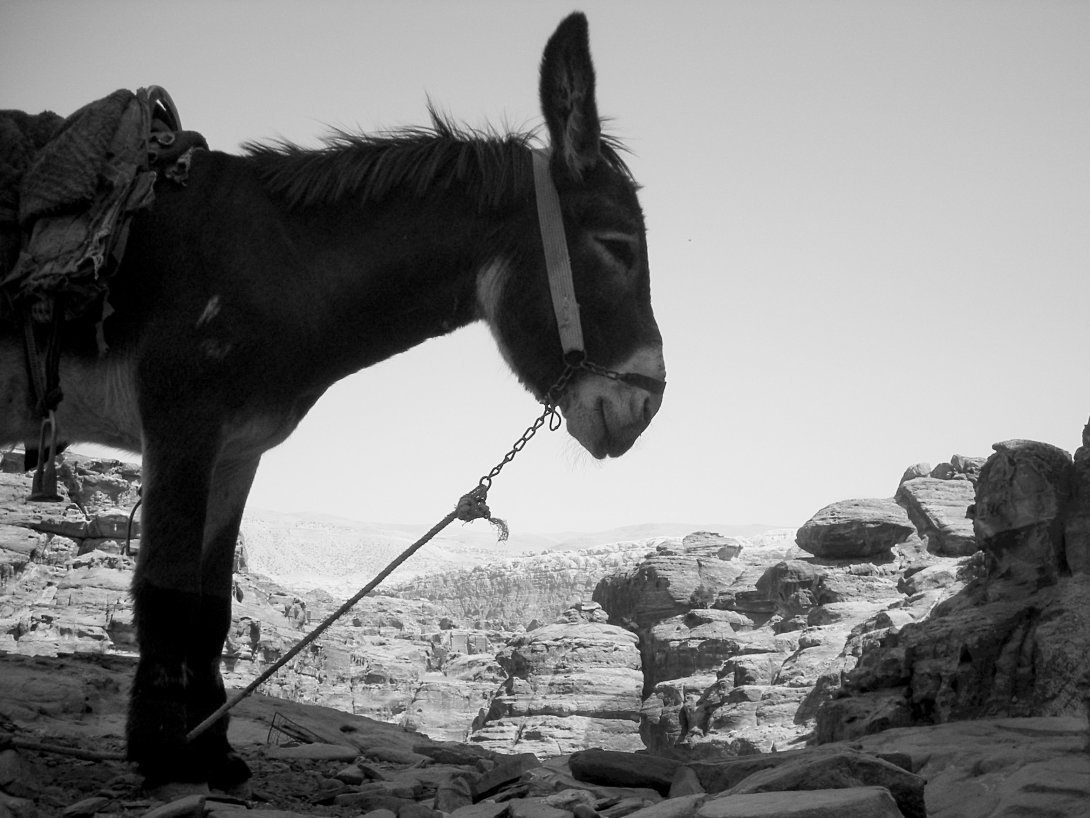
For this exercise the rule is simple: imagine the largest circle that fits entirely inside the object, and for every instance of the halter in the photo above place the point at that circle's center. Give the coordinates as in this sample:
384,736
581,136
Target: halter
566,307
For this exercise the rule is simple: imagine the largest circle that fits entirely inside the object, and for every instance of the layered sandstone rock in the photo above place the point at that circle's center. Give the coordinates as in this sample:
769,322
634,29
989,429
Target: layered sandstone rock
741,670
398,661
402,661
514,593
569,683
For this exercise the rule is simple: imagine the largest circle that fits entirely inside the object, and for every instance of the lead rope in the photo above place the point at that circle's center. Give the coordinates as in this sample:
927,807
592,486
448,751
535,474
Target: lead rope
471,506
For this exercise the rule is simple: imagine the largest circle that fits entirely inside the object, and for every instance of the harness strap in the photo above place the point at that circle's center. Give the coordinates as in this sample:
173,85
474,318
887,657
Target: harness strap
653,385
557,260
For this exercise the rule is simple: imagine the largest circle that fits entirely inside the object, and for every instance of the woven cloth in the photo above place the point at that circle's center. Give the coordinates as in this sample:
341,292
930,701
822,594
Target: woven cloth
22,135
71,201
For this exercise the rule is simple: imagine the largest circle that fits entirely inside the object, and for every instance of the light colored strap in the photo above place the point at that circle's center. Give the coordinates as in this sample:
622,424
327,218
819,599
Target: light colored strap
557,260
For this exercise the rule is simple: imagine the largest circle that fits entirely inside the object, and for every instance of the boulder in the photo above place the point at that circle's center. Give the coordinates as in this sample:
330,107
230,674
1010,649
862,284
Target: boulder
937,576
598,766
939,510
967,467
1021,502
712,544
666,583
914,471
854,529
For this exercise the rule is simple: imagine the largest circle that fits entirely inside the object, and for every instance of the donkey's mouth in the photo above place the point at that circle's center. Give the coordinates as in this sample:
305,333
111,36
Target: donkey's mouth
607,414
607,425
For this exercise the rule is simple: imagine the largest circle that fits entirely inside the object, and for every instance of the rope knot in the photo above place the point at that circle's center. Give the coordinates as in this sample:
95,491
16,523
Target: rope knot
473,506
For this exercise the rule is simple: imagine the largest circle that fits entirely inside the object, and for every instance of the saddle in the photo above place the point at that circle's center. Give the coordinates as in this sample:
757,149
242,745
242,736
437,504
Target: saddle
68,191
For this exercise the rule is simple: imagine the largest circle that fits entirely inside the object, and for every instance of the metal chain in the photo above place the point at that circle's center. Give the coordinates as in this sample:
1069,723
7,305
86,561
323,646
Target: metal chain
552,399
590,366
550,414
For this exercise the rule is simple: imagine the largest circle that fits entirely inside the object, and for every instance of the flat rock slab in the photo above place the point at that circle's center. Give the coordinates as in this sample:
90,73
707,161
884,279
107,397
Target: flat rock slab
847,769
854,802
938,510
997,767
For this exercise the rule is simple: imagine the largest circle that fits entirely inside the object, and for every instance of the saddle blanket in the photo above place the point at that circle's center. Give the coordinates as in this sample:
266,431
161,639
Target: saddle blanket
68,189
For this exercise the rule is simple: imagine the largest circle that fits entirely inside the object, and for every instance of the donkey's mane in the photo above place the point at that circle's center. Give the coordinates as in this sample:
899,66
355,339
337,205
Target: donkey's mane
493,167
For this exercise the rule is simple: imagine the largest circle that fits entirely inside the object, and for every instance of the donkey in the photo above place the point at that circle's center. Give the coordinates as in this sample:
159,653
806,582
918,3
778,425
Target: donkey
245,294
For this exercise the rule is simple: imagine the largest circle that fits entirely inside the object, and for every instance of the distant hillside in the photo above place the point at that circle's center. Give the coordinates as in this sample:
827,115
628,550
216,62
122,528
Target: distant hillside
340,555
508,594
648,531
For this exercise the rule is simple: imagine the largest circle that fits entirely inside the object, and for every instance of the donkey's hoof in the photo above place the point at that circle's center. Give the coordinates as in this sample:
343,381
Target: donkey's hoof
231,776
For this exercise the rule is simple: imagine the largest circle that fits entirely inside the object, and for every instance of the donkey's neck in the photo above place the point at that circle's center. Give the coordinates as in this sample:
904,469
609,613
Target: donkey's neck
394,274
397,230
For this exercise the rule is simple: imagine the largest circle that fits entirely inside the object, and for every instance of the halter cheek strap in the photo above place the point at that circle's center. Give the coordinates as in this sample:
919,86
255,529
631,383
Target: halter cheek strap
557,260
558,265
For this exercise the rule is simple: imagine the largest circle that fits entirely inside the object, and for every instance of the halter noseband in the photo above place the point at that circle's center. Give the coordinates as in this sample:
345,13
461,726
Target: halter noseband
558,265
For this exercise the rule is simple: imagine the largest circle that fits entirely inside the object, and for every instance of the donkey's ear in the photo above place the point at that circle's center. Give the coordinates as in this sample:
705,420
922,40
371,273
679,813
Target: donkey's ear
567,98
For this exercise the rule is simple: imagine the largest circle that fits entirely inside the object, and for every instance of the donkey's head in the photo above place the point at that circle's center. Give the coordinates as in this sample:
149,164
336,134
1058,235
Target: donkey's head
606,242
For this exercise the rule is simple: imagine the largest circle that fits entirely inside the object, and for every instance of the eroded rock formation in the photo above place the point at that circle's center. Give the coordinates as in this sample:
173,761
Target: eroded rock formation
573,684
1016,640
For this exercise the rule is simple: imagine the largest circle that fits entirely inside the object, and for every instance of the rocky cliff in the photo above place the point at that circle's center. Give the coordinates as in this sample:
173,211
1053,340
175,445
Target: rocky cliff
1015,641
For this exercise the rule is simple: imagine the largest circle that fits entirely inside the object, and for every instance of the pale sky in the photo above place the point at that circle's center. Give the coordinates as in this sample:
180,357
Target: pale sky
869,232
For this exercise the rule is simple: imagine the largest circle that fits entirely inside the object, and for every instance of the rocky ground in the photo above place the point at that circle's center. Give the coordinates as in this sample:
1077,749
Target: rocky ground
925,654
61,713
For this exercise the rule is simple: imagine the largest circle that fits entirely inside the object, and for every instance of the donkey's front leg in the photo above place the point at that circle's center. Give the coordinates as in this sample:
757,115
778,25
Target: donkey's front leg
230,486
167,601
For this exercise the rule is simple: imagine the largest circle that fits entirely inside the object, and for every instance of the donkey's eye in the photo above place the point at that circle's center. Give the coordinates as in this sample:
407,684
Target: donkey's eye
621,248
